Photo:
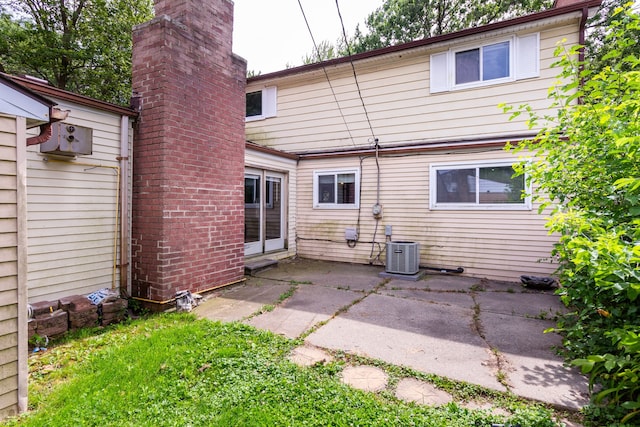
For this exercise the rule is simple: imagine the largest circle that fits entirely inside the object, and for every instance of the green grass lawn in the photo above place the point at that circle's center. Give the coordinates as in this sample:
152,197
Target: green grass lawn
176,370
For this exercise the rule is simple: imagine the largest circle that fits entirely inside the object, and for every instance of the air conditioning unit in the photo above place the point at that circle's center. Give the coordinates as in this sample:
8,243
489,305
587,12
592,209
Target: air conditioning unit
403,257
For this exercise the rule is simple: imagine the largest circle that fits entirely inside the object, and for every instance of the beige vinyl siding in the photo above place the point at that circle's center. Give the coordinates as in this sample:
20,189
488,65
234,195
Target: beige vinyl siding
400,108
8,267
273,163
496,244
72,212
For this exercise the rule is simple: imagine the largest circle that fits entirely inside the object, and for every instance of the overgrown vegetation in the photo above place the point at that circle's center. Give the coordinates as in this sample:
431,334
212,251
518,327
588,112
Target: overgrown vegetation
589,168
173,369
77,45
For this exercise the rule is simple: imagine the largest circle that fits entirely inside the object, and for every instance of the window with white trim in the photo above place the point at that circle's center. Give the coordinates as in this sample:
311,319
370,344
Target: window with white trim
478,186
261,104
496,61
336,189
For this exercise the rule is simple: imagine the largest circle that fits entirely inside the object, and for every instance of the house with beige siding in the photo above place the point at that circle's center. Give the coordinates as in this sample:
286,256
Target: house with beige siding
20,110
78,198
406,144
64,209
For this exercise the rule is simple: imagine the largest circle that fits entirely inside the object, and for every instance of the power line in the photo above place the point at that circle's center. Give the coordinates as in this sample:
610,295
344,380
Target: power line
326,75
355,76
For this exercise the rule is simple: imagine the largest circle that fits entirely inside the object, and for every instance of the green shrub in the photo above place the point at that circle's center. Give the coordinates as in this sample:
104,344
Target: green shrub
588,167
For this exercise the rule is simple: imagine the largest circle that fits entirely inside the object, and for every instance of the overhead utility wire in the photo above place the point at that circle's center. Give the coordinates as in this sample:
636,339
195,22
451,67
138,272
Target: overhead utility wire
375,141
326,75
355,76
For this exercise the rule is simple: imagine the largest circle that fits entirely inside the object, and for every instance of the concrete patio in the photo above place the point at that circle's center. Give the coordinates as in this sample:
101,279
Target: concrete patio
482,332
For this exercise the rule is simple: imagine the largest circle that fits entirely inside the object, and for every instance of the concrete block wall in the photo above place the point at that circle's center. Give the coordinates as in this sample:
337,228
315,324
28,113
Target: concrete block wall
188,189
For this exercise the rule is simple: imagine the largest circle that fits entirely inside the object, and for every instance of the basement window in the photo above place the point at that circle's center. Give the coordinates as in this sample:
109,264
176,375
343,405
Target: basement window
491,186
261,104
336,189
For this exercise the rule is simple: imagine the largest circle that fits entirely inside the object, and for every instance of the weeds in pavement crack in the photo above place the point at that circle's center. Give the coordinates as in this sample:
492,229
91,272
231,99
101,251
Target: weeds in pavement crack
343,309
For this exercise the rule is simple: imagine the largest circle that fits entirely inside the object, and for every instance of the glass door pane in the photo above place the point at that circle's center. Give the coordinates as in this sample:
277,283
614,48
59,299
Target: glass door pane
274,208
274,212
252,213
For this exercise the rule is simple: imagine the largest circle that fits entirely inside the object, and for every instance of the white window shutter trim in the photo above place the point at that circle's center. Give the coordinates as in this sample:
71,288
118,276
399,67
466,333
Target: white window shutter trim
438,78
269,101
527,56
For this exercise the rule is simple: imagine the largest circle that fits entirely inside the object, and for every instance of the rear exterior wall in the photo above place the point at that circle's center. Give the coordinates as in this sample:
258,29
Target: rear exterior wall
399,105
72,222
403,112
496,244
10,335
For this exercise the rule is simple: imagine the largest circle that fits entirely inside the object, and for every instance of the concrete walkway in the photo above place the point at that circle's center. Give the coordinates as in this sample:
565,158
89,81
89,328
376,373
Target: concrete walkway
482,332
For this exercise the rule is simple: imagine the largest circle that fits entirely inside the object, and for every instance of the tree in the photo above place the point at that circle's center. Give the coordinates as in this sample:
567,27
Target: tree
83,46
589,168
401,21
323,52
599,26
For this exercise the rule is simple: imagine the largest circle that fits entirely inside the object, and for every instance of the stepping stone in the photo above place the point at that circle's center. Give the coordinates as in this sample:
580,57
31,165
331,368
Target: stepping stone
309,356
412,390
367,378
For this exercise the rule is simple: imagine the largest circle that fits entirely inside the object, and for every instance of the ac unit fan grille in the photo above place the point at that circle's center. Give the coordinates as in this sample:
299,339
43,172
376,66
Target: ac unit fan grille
403,257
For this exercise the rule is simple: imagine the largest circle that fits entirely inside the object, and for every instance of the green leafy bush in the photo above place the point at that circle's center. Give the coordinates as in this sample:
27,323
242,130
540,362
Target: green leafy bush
588,167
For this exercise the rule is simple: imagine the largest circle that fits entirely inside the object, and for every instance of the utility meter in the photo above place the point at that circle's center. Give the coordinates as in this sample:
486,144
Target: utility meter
377,211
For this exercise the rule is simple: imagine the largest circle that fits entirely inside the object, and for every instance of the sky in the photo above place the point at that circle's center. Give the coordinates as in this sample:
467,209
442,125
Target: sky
271,34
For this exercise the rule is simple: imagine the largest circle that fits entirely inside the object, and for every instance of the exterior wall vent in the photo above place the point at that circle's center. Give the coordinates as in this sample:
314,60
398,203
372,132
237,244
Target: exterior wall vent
68,140
403,257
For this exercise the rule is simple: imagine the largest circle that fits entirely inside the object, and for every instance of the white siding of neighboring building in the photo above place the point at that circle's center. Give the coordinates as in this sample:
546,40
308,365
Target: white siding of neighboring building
273,163
400,107
13,366
73,217
487,243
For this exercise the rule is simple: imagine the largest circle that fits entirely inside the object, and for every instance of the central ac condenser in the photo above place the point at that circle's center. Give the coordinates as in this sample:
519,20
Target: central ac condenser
403,257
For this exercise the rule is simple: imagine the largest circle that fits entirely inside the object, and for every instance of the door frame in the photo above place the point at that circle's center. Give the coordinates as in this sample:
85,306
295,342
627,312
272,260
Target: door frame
263,245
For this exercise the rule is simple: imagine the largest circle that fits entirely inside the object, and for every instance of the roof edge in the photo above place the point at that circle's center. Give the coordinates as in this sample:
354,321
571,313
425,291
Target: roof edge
549,13
43,89
6,78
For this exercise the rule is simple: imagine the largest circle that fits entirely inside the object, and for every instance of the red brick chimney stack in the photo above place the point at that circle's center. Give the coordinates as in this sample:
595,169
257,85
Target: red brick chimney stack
188,203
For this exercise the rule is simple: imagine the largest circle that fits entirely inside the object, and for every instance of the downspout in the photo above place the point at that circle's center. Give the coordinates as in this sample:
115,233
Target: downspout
124,204
55,115
582,37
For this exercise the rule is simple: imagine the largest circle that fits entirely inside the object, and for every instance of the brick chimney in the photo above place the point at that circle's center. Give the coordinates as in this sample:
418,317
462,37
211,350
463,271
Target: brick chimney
188,189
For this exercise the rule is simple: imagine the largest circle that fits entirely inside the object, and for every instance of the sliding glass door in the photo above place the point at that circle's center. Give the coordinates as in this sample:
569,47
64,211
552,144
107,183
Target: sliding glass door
264,213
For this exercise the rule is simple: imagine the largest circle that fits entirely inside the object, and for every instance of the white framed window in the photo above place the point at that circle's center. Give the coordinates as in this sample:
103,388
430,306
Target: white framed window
261,104
484,63
492,62
336,189
478,185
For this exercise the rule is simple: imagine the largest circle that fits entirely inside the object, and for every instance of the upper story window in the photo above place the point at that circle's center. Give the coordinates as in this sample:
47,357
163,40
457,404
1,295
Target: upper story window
477,186
261,104
484,63
497,61
336,189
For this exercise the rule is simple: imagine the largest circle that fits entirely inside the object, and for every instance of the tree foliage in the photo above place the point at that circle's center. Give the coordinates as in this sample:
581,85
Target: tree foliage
323,52
83,46
401,21
599,26
589,168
